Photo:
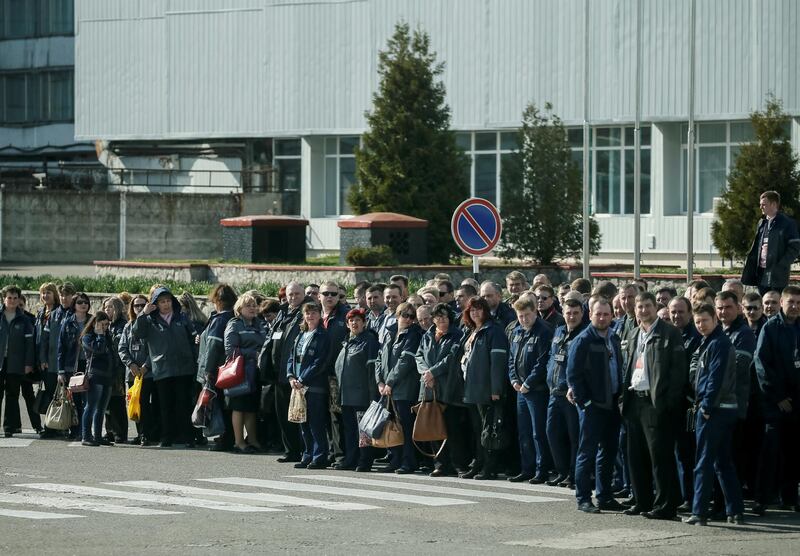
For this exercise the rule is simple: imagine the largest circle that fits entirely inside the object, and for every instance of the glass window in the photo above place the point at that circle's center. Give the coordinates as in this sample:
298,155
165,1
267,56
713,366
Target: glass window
60,92
15,98
486,141
607,178
607,137
340,173
287,147
509,141
347,177
645,181
464,141
57,17
20,18
486,177
575,138
288,173
711,133
742,132
711,174
331,184
644,134
347,145
331,146
36,96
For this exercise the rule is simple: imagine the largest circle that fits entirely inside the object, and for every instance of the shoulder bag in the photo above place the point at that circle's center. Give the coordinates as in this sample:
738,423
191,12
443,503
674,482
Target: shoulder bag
231,373
392,434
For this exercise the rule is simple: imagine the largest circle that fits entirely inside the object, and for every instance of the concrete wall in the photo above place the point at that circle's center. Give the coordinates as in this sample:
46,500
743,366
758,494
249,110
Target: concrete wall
72,226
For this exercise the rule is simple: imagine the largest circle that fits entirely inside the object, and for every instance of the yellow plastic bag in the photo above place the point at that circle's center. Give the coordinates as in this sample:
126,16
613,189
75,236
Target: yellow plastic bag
134,403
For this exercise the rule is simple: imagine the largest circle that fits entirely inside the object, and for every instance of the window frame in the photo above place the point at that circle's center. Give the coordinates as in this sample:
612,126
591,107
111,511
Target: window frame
498,152
44,100
337,156
42,18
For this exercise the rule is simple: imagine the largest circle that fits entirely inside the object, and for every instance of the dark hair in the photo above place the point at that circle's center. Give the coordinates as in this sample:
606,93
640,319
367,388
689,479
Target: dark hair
600,300
98,316
448,285
573,303
223,294
771,196
443,310
581,285
475,302
362,286
698,284
706,308
269,306
646,296
315,286
12,289
752,296
376,289
790,290
76,297
399,278
686,302
310,307
722,296
394,287
705,292
468,290
671,291
546,288
525,302
606,288
131,310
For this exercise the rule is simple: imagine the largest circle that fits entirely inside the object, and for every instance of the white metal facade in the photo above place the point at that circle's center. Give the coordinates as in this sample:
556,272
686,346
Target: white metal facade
169,69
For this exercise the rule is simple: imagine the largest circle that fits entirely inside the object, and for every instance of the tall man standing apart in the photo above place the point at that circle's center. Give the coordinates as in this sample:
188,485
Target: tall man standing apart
594,375
656,375
774,249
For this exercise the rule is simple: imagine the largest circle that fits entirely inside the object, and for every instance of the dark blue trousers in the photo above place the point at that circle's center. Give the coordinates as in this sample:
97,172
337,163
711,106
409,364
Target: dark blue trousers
562,434
534,451
97,397
714,456
597,450
315,434
778,462
404,456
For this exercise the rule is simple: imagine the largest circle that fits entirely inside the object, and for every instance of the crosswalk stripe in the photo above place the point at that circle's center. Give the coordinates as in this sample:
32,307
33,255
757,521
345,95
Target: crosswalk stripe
74,504
155,498
274,499
431,488
26,514
526,487
358,493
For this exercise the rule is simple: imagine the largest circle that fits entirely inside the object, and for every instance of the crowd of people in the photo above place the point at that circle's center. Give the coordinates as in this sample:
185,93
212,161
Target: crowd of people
655,403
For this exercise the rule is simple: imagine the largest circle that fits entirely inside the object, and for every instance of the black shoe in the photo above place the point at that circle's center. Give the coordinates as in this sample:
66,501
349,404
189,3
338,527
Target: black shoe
18,431
588,507
557,481
190,444
404,471
38,430
220,448
469,474
695,520
633,510
388,469
485,476
622,493
659,514
90,443
382,460
538,480
441,472
611,505
46,434
569,482
629,502
759,509
288,459
9,434
521,478
105,442
201,441
686,507
165,444
318,465
737,519
363,469
301,464
718,516
343,467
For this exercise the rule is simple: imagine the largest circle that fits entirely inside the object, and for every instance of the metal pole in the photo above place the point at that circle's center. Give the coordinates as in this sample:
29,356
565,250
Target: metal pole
123,223
585,211
637,150
2,187
690,154
475,269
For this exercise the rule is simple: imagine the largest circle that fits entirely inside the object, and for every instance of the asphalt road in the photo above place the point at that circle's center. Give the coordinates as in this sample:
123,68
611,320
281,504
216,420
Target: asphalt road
60,498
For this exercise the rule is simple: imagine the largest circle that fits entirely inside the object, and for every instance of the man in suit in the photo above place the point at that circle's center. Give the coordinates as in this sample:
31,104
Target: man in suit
775,247
655,376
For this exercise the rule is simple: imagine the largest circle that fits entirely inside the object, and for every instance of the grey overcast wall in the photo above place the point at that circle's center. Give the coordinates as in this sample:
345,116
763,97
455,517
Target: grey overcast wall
161,69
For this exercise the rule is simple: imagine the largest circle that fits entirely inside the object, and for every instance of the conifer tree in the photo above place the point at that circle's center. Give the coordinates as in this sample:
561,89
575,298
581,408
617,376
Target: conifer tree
542,194
768,163
409,161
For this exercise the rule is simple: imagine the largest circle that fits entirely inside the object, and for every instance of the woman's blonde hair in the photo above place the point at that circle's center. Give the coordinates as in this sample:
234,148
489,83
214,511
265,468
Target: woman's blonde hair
192,311
244,299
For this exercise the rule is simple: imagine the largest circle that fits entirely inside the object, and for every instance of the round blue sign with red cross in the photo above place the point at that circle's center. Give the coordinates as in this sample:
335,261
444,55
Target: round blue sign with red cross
476,226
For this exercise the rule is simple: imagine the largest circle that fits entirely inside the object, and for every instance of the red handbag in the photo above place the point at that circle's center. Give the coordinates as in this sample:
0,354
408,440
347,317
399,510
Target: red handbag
231,373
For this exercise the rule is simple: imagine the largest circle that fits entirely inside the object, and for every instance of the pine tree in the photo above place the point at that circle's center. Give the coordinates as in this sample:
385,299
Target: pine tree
542,194
768,163
409,162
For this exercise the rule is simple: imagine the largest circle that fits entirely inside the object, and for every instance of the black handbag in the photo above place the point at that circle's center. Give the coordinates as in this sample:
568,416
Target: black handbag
42,400
494,436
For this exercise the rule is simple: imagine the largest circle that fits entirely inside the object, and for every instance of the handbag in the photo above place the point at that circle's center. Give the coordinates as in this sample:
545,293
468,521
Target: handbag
392,434
247,386
494,435
79,383
231,373
334,395
42,400
298,409
202,409
61,413
374,419
134,398
215,421
429,426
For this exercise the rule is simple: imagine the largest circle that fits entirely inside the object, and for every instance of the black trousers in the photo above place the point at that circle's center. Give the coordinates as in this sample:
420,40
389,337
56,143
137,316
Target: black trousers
290,432
175,403
485,460
50,383
456,451
651,458
26,387
778,464
9,388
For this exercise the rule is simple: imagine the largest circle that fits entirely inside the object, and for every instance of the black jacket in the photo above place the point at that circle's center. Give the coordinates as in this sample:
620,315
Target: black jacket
397,364
355,370
17,338
743,339
441,359
486,367
589,371
782,249
776,361
274,356
528,354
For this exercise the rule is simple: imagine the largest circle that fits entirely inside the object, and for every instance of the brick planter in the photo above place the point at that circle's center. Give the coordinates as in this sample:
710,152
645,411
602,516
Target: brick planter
261,239
406,235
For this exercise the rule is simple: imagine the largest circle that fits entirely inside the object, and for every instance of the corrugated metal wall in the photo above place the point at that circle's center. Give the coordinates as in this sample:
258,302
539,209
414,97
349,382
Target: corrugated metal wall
225,68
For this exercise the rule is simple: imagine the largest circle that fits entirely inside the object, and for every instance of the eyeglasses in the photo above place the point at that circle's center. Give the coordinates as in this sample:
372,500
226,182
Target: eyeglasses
139,305
407,315
542,297
751,308
329,294
81,302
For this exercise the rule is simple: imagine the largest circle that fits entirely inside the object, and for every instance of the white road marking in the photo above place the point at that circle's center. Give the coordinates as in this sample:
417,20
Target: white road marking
63,503
272,499
526,487
155,498
431,488
358,493
16,442
35,515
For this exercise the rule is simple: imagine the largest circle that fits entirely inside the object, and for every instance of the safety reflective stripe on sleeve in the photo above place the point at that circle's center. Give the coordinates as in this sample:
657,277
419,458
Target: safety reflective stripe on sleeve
499,351
210,337
412,354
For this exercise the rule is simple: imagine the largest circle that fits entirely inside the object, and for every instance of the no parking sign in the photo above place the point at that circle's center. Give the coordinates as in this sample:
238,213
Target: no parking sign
476,228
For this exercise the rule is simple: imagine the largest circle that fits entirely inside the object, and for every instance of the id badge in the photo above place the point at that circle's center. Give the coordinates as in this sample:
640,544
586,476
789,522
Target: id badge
277,335
559,358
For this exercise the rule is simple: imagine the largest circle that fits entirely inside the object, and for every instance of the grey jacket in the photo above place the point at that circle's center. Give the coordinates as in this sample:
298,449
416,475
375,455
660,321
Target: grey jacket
133,351
397,364
355,370
171,346
247,338
441,359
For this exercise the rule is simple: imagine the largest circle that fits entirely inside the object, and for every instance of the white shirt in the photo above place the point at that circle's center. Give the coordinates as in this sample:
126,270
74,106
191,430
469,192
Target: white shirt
639,380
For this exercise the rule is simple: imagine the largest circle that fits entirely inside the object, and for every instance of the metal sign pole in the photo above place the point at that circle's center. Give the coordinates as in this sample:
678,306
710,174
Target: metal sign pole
475,269
690,156
585,205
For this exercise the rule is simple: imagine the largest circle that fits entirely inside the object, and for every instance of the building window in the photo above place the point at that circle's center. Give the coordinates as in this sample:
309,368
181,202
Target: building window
286,159
717,144
340,173
35,97
27,19
611,162
487,151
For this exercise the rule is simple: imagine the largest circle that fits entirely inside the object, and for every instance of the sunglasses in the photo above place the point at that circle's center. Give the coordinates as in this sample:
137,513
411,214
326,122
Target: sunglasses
81,302
329,294
408,315
542,297
139,305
